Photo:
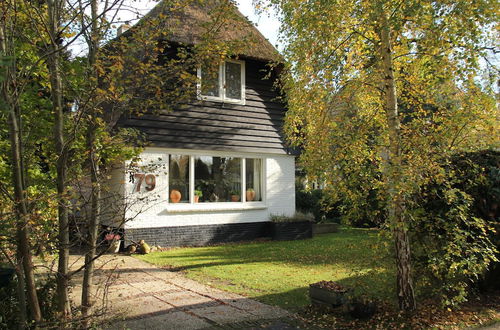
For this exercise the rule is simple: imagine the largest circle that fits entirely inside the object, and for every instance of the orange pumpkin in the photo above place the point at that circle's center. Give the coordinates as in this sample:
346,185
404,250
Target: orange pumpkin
175,196
250,195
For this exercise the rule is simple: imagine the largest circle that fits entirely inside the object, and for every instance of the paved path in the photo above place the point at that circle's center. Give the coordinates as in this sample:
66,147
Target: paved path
143,296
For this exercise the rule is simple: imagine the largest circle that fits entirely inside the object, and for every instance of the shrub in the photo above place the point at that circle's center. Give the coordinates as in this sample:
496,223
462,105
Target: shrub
314,201
297,217
453,242
9,307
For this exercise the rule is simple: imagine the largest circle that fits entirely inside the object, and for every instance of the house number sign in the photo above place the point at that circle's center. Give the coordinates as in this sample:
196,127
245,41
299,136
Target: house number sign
149,181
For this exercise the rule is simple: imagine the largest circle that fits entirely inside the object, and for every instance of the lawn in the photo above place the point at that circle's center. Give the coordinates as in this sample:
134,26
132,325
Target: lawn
279,273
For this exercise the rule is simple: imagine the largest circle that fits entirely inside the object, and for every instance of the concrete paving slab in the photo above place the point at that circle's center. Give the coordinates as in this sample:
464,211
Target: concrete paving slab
151,284
223,314
183,298
143,296
123,291
142,306
174,321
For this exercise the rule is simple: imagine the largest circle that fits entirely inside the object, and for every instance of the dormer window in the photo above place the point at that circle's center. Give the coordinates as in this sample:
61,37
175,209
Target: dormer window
223,84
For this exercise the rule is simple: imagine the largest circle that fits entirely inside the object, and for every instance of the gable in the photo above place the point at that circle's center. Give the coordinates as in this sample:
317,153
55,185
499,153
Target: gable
188,22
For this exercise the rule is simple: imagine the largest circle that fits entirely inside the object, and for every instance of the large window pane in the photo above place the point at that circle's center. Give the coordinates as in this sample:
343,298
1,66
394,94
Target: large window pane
218,178
233,80
253,176
210,81
178,179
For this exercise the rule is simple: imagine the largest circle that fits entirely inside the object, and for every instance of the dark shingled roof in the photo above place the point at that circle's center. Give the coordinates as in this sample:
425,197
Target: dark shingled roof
188,21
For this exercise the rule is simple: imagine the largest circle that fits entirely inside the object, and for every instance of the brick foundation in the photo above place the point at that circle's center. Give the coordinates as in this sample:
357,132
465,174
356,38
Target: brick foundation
198,235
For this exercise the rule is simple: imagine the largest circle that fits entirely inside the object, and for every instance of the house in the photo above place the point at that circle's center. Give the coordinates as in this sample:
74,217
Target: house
218,167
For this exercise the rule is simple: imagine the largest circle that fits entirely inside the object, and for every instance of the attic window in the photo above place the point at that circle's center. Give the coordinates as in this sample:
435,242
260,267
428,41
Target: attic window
224,84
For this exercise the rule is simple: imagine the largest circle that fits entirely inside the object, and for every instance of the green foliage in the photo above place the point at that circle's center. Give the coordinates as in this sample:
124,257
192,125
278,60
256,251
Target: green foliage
297,217
451,226
9,303
379,93
478,174
9,307
313,201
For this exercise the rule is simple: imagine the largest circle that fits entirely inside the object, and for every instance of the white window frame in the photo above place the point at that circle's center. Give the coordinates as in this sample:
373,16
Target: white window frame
216,206
222,85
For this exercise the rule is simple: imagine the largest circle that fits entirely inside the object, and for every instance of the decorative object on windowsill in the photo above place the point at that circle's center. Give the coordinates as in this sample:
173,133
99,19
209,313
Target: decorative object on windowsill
235,196
214,197
197,195
144,247
250,194
175,196
328,293
114,242
284,228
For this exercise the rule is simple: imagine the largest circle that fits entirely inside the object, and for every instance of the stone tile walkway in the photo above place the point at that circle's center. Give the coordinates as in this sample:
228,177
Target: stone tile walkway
143,296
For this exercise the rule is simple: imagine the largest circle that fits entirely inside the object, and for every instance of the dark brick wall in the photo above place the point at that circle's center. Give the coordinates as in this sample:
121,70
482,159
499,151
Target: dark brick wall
285,231
198,235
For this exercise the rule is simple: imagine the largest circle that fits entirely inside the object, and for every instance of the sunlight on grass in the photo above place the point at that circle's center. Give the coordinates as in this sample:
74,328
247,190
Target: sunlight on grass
279,273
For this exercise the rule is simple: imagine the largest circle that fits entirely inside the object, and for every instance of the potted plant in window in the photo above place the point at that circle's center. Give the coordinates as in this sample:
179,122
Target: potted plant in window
197,195
250,194
285,228
235,196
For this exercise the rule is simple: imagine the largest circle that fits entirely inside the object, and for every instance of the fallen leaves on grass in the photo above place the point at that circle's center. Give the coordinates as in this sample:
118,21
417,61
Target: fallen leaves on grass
429,314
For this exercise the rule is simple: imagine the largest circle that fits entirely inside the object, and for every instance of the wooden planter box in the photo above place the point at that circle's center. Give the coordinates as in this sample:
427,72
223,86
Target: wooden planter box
287,231
325,228
320,296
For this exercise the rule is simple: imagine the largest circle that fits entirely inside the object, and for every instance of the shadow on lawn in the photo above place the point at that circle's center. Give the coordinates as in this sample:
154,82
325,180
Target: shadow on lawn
353,249
378,286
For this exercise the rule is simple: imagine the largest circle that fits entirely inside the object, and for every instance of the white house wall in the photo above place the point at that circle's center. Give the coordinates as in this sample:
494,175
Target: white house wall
112,206
151,209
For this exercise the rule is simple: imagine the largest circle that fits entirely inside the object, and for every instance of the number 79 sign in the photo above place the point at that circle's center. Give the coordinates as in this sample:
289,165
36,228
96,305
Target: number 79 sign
149,181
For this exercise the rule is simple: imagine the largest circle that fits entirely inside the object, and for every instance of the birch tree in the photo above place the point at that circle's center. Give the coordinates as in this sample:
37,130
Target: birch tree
392,85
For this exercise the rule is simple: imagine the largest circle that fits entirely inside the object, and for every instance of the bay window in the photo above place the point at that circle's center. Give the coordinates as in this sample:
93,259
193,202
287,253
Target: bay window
214,179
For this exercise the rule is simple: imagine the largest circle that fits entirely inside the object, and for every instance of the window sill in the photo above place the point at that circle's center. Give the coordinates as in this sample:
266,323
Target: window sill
210,207
221,100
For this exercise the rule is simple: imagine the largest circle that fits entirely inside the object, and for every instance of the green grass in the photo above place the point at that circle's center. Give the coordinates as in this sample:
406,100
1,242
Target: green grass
279,273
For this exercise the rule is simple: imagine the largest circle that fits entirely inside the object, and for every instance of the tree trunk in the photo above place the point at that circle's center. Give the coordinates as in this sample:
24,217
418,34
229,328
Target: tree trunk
23,243
93,225
396,206
21,295
63,303
93,159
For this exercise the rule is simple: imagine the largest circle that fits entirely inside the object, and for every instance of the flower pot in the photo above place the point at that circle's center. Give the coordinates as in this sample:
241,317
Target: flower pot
235,198
196,199
114,247
250,195
175,196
